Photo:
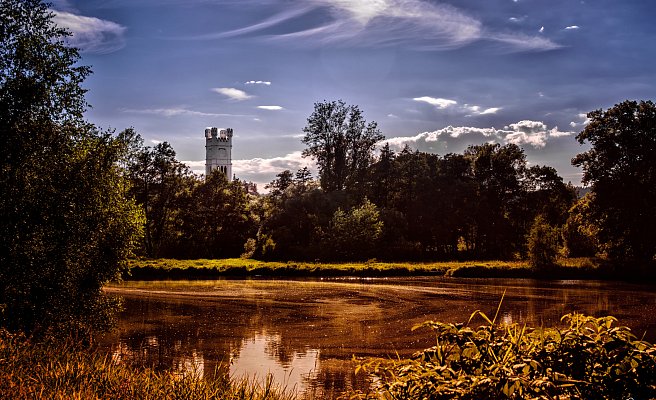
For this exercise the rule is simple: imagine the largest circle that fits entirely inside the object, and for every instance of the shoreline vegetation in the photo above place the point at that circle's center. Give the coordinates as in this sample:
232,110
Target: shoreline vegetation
566,268
591,358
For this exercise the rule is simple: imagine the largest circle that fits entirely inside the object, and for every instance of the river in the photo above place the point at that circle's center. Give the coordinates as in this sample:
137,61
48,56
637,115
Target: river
305,332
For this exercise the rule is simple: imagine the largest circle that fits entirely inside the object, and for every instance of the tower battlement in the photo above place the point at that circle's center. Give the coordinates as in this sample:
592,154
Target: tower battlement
218,151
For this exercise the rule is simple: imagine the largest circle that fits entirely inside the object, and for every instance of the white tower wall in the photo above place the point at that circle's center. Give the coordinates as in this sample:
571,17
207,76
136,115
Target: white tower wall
218,151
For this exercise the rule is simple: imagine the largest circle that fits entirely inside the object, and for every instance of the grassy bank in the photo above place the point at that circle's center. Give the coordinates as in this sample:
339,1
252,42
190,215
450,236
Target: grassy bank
574,268
62,371
238,267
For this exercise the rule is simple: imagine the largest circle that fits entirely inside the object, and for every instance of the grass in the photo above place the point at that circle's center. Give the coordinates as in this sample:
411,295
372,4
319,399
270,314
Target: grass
58,370
566,268
238,267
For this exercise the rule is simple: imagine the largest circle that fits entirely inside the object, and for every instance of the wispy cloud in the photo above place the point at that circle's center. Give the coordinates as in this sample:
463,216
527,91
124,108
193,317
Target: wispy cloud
436,101
271,108
232,93
266,83
442,104
535,134
491,110
418,24
178,111
90,34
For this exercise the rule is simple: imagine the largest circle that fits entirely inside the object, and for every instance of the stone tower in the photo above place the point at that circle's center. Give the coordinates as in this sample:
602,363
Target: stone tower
218,151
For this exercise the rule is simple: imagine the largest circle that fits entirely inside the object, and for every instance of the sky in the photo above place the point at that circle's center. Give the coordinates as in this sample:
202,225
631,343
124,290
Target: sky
435,75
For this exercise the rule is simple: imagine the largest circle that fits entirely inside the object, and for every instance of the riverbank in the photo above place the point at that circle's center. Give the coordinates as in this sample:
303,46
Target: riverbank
62,370
569,268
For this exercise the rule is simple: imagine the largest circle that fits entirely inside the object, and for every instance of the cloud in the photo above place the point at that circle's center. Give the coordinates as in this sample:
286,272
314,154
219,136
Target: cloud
271,108
452,139
267,83
261,170
437,102
571,27
442,104
417,24
177,111
583,120
90,34
491,110
232,93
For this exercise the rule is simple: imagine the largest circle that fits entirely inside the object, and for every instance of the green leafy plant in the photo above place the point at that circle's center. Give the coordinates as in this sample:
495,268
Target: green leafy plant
590,358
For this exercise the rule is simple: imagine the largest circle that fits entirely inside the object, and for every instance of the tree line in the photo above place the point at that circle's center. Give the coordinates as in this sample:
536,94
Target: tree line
369,202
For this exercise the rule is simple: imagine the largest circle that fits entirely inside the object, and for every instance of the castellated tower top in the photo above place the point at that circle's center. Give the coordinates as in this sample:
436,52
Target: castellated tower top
218,151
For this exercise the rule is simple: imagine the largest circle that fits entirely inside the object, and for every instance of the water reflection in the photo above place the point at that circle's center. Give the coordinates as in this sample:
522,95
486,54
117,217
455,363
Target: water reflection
265,353
305,332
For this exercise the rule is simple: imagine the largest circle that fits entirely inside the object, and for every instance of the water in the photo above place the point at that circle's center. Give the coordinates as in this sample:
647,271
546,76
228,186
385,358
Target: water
305,332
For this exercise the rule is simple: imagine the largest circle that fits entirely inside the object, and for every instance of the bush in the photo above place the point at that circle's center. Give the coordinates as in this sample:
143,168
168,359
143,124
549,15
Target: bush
589,359
542,244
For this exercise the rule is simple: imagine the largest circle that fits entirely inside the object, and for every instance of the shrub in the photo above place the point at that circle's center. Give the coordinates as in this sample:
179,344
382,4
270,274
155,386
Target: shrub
542,244
589,359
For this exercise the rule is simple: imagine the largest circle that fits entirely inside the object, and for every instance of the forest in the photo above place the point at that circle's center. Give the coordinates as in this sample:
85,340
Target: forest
369,202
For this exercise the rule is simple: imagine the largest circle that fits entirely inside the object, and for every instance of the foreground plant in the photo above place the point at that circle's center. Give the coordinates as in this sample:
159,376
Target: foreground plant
589,359
63,371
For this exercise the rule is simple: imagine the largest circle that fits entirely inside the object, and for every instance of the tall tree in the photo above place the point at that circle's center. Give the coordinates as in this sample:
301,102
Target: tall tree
66,224
158,180
341,142
621,168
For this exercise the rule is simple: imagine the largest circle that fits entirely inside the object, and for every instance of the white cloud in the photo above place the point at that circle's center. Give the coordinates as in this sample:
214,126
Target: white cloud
271,108
535,134
179,111
418,24
90,34
572,27
437,102
266,83
491,110
234,94
582,121
441,104
261,170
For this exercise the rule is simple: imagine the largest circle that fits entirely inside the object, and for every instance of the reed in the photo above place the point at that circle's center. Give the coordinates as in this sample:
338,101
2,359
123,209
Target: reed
63,370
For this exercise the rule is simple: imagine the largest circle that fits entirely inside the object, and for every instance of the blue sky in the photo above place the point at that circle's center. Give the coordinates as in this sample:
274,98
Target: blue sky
435,75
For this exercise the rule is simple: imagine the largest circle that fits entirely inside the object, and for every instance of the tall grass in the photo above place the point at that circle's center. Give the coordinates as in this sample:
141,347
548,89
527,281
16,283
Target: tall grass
57,370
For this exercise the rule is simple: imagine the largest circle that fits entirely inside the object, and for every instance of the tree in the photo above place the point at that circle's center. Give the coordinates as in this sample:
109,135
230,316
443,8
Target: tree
217,221
497,171
66,222
620,167
341,142
353,235
542,244
158,180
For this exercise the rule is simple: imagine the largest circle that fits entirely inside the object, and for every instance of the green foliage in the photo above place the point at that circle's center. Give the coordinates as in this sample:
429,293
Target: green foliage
590,358
341,143
580,230
354,234
66,221
542,244
621,168
216,220
57,370
159,183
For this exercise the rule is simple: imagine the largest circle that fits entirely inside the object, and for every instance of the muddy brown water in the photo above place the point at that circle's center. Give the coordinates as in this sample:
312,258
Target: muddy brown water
306,332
